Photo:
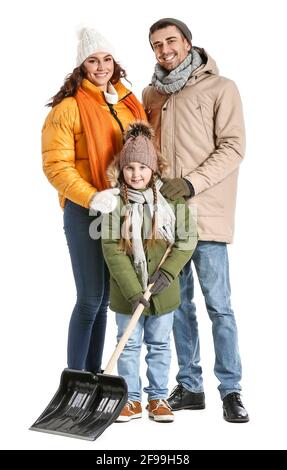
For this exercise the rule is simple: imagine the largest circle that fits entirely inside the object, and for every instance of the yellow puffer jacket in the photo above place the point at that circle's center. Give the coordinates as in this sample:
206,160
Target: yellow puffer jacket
64,146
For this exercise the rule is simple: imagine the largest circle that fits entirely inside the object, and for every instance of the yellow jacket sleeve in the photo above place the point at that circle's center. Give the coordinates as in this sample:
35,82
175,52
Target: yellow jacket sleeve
59,155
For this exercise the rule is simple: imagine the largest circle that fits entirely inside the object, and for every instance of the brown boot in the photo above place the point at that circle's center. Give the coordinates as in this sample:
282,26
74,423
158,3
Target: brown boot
159,410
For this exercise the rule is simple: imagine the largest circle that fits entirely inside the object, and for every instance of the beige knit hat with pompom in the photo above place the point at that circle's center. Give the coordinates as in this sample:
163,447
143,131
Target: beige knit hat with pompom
138,146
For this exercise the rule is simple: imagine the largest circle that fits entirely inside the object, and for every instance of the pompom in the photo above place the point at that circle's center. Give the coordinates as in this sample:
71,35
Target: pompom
138,128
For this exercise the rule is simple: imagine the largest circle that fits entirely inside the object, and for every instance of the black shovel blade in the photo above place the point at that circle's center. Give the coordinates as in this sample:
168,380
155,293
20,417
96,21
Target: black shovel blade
84,405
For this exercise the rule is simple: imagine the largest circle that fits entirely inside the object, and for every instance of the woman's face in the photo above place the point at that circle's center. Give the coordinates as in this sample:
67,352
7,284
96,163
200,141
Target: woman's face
137,175
99,69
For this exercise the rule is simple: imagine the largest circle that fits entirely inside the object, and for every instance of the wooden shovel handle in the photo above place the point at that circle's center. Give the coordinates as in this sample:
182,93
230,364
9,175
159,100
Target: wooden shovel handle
132,323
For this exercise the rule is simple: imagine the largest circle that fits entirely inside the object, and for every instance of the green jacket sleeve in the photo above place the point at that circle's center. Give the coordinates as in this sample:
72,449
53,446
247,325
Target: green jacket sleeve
185,240
119,264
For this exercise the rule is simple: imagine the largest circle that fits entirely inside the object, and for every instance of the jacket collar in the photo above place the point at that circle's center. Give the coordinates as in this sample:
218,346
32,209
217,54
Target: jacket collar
208,67
121,90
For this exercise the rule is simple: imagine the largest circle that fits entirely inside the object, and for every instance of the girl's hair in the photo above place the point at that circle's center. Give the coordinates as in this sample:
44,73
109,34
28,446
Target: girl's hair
125,242
74,80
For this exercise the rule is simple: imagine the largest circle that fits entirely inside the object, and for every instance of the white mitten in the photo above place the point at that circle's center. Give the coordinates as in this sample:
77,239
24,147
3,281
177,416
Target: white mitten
105,201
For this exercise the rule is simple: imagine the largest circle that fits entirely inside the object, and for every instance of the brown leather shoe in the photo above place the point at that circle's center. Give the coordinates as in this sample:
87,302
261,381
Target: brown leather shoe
131,410
159,410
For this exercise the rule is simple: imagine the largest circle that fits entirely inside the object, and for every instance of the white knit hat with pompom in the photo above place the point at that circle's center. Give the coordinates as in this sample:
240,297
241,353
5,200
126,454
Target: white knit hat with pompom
90,42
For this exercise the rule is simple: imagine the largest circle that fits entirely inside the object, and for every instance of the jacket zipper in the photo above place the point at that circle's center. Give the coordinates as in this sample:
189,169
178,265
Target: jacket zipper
114,114
172,136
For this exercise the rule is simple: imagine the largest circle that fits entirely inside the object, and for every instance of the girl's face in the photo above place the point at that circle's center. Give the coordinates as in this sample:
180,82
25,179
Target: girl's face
137,175
99,69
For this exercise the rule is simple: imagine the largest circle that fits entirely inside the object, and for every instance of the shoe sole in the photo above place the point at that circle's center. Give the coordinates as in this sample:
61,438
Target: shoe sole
162,419
235,420
126,419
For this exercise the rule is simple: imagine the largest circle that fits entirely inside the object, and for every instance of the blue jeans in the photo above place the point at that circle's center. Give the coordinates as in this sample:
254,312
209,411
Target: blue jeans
88,321
155,332
211,263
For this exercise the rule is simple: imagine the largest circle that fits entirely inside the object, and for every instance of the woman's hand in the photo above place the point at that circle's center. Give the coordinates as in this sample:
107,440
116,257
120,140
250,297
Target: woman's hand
105,201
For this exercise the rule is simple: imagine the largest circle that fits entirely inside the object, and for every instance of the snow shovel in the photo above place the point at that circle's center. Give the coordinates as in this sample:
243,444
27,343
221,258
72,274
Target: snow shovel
86,403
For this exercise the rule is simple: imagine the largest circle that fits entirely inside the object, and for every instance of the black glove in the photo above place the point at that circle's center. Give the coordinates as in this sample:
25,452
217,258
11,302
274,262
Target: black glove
176,188
160,281
139,299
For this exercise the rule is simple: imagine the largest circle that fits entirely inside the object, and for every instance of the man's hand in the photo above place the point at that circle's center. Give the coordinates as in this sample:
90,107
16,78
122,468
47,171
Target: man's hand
160,282
139,299
105,201
176,188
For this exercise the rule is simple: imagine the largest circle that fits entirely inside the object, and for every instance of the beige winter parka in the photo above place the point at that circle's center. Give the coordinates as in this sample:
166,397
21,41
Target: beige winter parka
200,130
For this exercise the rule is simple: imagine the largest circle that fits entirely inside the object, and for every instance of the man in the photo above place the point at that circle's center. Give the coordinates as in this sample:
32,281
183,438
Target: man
197,117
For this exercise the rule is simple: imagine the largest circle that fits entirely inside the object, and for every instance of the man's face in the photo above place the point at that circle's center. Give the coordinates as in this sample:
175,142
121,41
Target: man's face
170,47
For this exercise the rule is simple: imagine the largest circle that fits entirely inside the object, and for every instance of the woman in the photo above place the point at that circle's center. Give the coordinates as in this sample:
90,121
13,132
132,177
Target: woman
81,134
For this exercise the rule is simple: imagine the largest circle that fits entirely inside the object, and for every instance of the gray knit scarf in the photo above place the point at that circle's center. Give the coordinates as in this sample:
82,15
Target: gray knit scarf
167,83
141,213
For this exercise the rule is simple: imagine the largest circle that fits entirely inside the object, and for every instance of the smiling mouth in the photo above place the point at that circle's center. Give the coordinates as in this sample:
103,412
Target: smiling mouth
168,58
137,181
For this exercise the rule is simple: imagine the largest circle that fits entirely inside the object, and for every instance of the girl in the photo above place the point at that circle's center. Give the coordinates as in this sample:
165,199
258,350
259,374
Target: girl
134,238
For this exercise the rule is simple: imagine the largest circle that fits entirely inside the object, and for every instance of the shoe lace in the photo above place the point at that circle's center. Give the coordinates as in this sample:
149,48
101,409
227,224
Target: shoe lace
162,403
130,404
177,390
236,397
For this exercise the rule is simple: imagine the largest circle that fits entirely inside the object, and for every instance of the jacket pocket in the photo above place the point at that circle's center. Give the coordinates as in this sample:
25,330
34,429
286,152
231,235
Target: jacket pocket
200,109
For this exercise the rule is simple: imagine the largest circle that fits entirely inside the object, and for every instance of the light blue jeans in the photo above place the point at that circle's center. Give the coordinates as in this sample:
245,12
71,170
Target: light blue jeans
154,331
210,260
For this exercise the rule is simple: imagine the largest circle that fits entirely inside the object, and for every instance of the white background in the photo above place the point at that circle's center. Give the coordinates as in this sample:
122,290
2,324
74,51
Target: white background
38,49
